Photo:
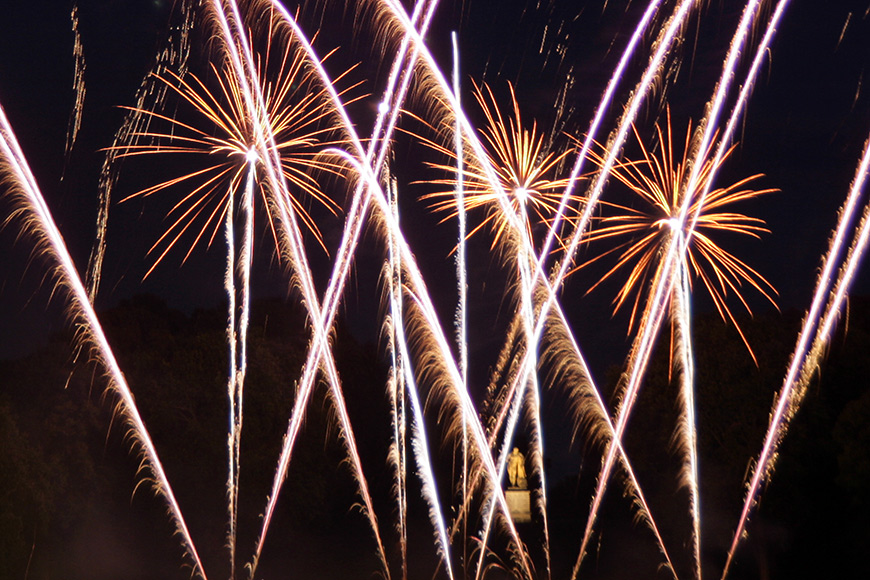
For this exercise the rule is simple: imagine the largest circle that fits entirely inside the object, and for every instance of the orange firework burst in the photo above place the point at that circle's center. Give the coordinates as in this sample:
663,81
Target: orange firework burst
659,183
297,112
521,164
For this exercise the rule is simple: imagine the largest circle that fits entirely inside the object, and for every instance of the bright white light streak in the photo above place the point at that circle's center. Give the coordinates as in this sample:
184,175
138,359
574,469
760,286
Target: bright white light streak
421,297
687,433
418,430
461,273
230,287
42,226
269,155
241,336
461,267
786,403
397,379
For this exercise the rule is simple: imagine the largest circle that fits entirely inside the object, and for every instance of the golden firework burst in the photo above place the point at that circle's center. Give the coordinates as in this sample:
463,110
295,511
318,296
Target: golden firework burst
522,165
658,183
222,132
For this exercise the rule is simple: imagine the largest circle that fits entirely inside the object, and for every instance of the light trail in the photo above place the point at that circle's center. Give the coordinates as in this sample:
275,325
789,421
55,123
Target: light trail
801,364
461,282
292,243
232,377
397,378
686,433
36,219
418,431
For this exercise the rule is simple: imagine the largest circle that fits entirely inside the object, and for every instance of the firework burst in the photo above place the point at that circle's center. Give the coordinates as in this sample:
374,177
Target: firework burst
264,122
223,137
523,166
658,184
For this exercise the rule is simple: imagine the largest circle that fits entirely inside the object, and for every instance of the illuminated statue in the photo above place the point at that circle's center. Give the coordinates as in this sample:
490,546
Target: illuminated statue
516,469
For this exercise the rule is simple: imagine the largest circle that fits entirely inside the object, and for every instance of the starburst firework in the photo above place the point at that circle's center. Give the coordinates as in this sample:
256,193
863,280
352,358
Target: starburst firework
658,183
522,164
223,136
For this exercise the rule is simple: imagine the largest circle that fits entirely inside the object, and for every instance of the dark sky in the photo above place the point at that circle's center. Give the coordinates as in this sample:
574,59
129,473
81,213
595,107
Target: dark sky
805,127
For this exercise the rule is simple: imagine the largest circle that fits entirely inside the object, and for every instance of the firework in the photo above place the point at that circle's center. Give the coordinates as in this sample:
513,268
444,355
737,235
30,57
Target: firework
650,221
259,130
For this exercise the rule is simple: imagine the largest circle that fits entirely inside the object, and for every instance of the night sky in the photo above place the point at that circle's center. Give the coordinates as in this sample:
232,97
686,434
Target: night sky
804,130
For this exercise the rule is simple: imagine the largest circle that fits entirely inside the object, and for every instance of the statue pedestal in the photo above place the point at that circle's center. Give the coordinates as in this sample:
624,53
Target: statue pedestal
519,505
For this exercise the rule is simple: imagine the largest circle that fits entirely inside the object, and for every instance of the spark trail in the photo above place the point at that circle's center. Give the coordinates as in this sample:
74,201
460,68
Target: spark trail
242,61
461,280
805,359
419,443
36,219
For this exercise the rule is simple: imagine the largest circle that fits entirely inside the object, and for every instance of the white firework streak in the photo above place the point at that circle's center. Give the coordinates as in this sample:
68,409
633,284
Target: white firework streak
397,382
461,281
803,365
418,429
38,220
238,337
230,287
319,343
686,432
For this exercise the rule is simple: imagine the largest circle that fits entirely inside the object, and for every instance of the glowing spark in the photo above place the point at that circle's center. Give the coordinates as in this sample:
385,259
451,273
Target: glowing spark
75,122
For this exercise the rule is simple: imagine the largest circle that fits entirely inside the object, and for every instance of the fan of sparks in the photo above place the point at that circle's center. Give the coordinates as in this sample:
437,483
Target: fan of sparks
522,165
222,138
644,226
